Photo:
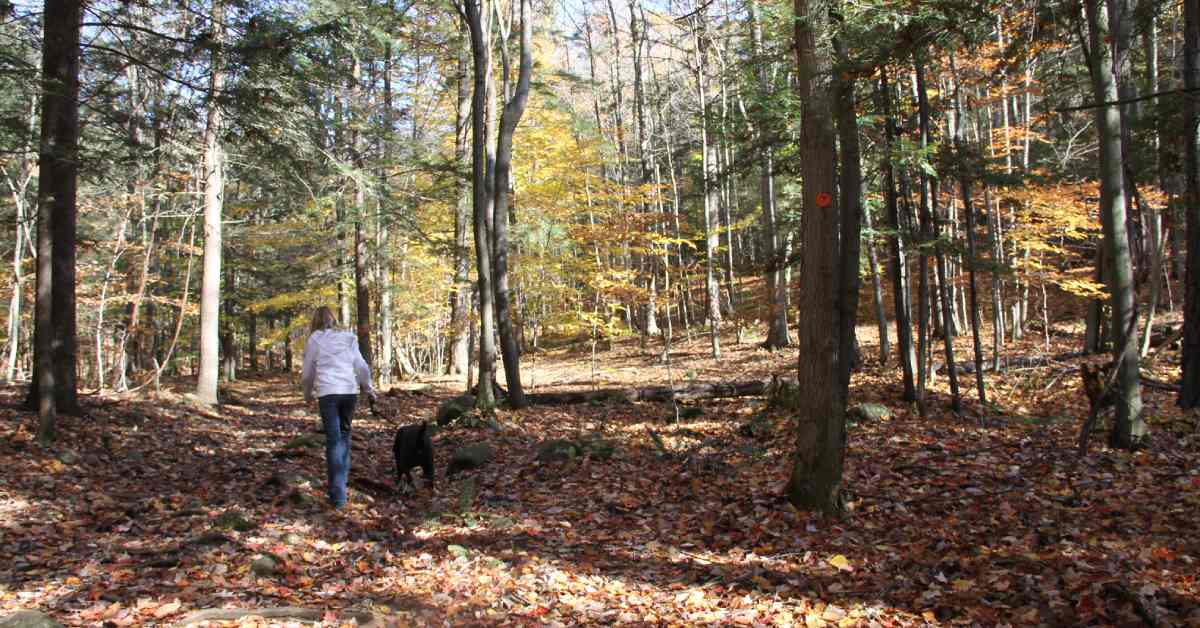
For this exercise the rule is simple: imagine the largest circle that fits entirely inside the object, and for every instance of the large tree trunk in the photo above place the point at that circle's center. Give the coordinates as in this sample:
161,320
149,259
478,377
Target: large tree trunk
1129,429
460,293
1189,389
478,19
816,475
58,167
899,261
511,116
214,194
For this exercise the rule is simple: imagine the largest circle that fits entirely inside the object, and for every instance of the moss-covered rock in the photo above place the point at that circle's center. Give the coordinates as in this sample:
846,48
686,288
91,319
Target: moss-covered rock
452,409
557,450
869,412
470,457
757,428
265,565
306,441
597,448
28,619
234,520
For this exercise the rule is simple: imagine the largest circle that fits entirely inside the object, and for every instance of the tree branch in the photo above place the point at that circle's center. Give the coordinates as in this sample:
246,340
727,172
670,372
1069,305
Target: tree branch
1169,92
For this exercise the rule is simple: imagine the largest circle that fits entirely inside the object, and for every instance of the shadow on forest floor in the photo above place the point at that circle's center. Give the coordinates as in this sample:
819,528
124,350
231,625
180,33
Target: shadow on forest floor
146,509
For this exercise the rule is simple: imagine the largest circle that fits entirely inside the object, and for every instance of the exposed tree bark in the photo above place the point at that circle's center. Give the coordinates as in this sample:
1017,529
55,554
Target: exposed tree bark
929,210
885,345
1189,388
460,292
1093,332
18,185
964,180
997,252
477,15
1121,30
362,292
252,340
777,323
850,193
637,36
923,304
1156,234
229,355
708,159
214,195
383,261
509,118
815,479
63,176
54,385
899,263
1129,428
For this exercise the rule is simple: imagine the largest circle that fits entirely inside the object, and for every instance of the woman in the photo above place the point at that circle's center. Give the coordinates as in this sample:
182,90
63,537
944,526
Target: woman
334,371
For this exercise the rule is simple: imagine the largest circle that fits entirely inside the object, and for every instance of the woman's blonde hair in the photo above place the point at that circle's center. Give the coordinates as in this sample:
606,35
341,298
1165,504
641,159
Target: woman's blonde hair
323,319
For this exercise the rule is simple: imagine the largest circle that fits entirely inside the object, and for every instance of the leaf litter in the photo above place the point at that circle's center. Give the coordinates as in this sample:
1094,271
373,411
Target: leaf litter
147,510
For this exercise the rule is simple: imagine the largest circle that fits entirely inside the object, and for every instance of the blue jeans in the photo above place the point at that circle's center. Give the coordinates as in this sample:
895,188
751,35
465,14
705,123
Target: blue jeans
336,411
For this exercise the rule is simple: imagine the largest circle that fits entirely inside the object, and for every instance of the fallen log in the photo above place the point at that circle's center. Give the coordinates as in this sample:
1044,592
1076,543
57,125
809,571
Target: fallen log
1020,361
653,393
362,618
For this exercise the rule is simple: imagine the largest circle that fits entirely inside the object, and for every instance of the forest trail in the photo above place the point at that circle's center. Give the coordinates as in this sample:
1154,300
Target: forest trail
148,510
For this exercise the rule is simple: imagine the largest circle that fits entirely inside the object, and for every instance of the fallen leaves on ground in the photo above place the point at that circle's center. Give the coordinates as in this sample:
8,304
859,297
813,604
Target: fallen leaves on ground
147,510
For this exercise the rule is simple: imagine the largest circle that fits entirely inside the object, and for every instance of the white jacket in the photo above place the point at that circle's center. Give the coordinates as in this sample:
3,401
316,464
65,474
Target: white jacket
333,365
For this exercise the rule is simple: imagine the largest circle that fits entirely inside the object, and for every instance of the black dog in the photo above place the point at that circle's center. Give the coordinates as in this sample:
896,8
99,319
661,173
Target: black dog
413,448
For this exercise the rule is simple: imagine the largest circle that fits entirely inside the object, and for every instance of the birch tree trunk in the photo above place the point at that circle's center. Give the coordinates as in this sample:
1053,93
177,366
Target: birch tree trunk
637,35
214,194
18,185
460,293
708,159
